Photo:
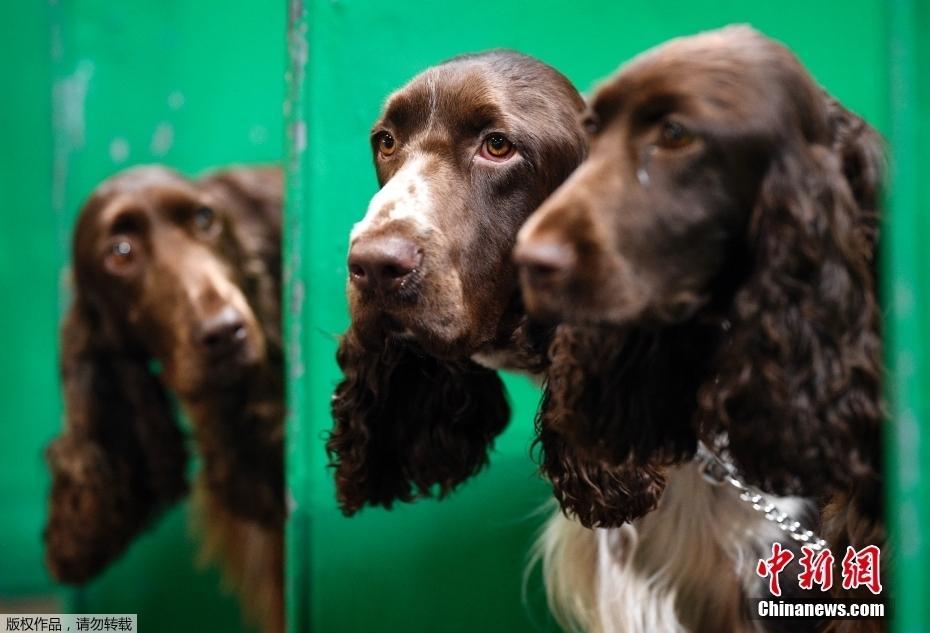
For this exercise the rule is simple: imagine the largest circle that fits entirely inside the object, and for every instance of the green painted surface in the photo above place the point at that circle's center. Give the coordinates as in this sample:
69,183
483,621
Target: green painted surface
907,287
96,86
456,565
28,314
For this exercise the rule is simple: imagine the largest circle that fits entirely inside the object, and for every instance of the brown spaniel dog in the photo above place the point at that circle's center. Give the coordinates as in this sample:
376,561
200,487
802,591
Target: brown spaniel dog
713,261
177,287
464,153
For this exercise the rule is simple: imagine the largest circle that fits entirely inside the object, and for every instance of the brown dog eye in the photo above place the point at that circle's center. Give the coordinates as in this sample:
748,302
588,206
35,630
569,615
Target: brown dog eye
122,249
120,256
386,144
204,219
496,147
674,135
591,124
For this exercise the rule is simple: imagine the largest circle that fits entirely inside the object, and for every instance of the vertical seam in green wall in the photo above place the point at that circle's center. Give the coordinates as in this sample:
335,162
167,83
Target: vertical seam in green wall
908,441
297,558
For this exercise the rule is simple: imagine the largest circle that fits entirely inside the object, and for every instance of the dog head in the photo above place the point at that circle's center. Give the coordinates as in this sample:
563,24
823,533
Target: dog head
464,153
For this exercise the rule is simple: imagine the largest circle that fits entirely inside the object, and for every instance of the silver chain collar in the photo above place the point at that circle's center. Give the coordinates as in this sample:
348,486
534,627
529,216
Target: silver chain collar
718,469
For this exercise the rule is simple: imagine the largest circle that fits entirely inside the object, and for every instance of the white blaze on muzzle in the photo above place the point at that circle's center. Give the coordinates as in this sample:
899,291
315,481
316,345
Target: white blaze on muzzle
406,197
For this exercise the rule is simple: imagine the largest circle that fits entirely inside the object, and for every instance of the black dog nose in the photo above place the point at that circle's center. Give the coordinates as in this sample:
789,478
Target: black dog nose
383,263
222,332
544,262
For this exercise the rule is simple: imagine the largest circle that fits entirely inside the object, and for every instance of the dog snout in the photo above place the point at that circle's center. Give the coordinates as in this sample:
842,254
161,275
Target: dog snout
544,262
382,264
223,332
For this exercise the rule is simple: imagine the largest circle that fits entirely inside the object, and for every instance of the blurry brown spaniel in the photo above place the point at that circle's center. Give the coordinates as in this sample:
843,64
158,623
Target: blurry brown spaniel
714,262
464,153
177,287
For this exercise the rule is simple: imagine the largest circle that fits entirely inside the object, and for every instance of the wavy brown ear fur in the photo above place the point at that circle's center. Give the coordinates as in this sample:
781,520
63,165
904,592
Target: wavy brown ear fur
617,409
409,425
121,459
804,358
862,155
597,493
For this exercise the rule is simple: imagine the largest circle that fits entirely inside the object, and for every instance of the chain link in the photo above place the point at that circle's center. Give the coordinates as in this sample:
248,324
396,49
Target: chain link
718,470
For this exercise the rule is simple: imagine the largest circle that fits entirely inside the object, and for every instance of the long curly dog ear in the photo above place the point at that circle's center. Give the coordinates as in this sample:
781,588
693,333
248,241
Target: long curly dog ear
861,153
409,425
595,492
617,409
804,359
121,459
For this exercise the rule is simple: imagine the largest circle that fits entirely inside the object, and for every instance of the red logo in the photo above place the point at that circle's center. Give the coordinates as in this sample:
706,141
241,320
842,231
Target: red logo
862,568
818,569
773,566
859,568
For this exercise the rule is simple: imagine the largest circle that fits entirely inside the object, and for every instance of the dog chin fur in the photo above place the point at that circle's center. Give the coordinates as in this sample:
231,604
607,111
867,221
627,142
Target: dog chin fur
687,566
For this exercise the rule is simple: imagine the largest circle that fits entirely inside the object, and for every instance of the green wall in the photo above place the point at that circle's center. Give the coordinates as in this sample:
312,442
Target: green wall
907,291
28,313
455,566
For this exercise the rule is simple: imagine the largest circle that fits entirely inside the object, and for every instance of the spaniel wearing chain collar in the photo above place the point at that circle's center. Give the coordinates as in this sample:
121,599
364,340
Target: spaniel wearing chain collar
712,263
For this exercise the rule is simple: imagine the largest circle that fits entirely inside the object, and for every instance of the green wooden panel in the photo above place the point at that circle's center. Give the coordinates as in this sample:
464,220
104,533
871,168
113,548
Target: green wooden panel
28,314
456,565
907,288
93,87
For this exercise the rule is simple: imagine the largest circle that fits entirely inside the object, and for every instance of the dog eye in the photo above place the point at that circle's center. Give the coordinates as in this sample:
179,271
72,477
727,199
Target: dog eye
386,144
205,219
674,135
591,124
496,147
120,255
